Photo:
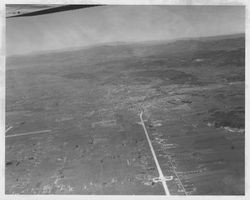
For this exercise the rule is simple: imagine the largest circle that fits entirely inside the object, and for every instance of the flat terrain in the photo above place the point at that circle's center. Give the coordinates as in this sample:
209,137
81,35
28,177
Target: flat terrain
78,113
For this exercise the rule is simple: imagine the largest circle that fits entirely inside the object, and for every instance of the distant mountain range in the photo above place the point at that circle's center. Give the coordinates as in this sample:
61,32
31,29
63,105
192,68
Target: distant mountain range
160,49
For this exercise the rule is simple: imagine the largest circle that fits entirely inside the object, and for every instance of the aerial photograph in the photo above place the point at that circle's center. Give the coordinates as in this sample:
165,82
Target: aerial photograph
124,99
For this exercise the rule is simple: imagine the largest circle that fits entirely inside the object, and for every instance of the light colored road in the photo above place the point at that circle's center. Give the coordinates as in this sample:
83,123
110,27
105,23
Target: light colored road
8,129
28,133
161,178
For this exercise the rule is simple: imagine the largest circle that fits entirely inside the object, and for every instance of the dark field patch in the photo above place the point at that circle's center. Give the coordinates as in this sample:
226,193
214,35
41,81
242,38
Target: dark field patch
232,119
234,77
210,142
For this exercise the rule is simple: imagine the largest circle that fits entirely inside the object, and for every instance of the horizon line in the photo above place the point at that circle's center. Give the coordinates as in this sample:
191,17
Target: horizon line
75,48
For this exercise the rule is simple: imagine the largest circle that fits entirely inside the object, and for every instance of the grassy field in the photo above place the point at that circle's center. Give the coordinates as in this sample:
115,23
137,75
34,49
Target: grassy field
192,93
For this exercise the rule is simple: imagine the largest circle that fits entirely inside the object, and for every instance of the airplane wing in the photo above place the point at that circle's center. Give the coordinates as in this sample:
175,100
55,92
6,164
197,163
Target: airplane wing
23,10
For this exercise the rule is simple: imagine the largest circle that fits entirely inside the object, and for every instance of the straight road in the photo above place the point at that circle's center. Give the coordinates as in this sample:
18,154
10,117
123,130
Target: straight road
161,178
28,133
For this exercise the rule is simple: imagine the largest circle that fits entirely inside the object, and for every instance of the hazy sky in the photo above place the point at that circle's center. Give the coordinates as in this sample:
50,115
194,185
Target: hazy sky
119,23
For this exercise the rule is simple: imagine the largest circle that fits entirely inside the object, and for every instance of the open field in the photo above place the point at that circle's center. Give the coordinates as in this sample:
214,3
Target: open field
86,103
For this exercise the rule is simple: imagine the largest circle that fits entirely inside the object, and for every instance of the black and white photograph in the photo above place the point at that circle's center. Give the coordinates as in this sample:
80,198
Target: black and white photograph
124,99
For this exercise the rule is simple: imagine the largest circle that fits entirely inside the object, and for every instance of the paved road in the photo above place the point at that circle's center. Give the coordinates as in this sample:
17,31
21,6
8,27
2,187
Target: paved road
161,178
